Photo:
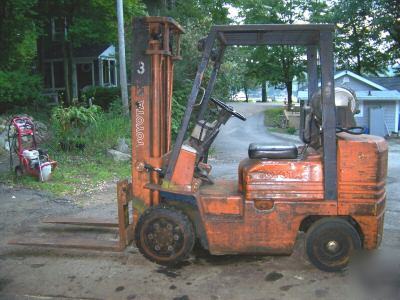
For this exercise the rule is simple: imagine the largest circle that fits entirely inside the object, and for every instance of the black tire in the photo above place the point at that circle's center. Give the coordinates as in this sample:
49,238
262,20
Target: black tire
164,235
19,171
330,243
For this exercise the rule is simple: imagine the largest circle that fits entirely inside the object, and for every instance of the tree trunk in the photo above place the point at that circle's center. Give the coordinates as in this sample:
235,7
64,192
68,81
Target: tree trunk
66,63
40,54
289,90
263,92
246,94
359,64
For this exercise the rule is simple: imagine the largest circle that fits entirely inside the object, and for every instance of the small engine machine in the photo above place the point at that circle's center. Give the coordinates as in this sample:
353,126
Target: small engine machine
22,142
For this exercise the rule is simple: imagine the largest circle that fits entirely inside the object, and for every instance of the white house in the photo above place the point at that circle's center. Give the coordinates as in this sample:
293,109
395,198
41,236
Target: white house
379,101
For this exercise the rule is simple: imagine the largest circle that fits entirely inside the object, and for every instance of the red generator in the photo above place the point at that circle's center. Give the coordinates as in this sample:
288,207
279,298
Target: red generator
22,141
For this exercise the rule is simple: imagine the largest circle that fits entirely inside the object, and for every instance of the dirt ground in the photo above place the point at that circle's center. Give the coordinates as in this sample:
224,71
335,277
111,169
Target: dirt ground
37,273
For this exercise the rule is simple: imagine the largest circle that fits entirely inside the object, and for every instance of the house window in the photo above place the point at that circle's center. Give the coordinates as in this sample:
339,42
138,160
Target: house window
58,29
112,72
58,67
106,72
109,76
361,109
96,73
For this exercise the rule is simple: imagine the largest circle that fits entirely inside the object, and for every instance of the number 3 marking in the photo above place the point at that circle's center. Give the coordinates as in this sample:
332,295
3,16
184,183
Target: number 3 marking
141,69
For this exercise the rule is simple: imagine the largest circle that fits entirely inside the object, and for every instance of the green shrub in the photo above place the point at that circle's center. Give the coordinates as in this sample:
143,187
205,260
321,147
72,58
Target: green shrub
178,110
291,130
115,108
19,88
273,116
103,96
71,124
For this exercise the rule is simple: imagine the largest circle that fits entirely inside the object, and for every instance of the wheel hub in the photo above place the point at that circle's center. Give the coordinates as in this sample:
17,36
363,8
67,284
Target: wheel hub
332,246
164,237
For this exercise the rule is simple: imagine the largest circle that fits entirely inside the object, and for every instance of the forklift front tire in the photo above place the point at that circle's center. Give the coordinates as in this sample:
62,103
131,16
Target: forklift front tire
330,243
164,235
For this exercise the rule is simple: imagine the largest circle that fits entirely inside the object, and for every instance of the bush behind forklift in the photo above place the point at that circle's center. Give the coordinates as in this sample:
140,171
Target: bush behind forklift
332,187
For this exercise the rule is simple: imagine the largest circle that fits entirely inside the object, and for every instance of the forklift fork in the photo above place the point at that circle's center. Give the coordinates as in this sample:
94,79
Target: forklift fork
126,227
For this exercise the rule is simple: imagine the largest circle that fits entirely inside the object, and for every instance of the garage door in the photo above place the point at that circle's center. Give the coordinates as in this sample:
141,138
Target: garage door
377,121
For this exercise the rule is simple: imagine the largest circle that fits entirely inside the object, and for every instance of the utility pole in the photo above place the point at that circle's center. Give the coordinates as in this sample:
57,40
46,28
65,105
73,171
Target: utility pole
122,61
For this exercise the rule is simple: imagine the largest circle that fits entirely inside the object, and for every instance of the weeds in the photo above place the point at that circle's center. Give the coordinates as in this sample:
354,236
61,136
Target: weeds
273,117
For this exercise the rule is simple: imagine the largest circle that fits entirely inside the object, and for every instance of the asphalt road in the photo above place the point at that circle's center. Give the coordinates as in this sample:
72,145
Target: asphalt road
232,143
36,273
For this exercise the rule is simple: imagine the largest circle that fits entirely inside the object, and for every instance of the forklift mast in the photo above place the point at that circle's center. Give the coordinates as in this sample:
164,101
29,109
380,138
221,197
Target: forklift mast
156,47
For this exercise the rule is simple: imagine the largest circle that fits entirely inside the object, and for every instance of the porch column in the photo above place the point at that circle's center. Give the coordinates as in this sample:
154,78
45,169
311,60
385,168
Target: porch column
115,73
93,80
74,82
53,85
101,80
109,71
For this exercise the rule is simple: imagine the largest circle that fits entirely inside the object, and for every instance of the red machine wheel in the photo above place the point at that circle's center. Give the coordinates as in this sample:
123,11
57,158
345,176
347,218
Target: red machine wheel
164,235
330,243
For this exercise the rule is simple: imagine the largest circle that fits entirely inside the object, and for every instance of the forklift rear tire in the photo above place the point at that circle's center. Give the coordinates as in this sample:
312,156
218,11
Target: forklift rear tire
330,243
164,235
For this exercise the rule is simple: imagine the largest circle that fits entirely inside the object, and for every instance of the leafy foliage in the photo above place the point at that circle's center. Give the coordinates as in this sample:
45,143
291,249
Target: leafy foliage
178,111
273,117
104,133
103,96
196,17
70,124
360,43
18,33
19,87
387,18
278,64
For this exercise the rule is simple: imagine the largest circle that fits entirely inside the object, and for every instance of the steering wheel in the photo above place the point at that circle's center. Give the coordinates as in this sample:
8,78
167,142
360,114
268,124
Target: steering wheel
228,108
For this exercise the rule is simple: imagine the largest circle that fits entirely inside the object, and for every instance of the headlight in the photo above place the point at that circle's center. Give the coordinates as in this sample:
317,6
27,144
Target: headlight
345,98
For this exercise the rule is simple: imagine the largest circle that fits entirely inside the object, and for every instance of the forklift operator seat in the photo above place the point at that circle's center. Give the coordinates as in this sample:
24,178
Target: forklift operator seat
262,151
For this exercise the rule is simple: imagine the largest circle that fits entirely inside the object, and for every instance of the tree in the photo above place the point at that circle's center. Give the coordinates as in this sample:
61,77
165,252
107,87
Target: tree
360,44
236,72
278,64
196,17
387,18
18,33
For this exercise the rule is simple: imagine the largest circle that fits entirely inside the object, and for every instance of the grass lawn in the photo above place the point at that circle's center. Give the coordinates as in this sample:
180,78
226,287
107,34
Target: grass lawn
75,174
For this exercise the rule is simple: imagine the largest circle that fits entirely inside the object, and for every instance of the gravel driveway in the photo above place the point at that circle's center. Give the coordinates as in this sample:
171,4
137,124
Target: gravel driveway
35,273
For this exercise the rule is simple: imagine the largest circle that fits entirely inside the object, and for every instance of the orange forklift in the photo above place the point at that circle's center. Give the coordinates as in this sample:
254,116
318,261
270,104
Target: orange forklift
332,187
